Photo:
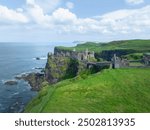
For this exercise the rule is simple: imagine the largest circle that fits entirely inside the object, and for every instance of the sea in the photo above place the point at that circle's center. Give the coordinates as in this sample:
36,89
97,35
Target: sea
17,59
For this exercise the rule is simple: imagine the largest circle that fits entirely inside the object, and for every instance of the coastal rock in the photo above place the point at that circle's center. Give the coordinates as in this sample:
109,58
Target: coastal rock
23,76
35,80
37,58
11,82
38,68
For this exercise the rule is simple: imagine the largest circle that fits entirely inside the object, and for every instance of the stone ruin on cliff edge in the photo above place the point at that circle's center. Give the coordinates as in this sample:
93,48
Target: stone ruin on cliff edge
117,62
86,55
81,56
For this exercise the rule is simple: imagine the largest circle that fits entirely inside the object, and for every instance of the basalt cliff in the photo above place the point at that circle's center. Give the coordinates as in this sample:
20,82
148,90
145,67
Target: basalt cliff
60,65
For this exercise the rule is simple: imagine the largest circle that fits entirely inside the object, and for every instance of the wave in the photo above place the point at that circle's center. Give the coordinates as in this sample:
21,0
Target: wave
2,107
15,93
19,76
40,58
37,68
16,77
6,80
3,81
43,58
23,73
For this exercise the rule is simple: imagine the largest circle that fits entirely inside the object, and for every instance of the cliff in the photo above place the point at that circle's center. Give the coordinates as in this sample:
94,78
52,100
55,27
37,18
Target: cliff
105,51
62,52
108,54
62,67
35,80
67,63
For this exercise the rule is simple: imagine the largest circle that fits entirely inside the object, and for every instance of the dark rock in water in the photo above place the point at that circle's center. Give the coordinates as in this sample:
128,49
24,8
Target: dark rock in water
11,82
39,68
34,79
37,58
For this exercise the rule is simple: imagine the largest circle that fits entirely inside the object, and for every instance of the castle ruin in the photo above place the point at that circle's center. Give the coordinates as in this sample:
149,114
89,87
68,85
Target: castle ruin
117,62
81,56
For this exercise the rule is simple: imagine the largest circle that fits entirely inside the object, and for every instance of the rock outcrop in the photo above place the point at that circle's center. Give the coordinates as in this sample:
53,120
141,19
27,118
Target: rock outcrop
35,80
56,67
61,67
11,82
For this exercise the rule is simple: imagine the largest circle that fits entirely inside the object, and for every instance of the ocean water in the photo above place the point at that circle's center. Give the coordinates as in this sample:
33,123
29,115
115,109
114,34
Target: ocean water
17,59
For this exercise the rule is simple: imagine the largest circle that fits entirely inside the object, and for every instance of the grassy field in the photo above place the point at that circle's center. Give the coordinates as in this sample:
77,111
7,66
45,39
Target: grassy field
119,90
141,45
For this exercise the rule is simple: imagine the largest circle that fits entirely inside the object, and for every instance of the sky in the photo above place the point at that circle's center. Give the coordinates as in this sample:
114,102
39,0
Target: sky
73,20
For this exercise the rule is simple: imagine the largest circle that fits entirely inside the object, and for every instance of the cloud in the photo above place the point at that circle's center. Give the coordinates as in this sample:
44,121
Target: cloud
46,5
118,22
38,18
10,16
69,5
63,21
30,2
63,16
135,2
128,21
19,10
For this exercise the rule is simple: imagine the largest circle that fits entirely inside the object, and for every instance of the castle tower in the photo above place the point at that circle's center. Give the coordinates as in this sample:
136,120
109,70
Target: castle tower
86,53
93,54
115,62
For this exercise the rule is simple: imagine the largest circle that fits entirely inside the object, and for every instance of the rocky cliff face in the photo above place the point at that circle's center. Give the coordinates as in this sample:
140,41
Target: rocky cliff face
59,66
56,68
61,52
35,80
108,54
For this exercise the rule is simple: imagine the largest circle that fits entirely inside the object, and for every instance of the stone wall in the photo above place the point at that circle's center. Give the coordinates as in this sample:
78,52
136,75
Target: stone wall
117,62
85,55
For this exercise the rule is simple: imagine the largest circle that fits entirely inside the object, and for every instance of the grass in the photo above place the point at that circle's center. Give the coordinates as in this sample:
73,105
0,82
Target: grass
119,90
136,64
139,45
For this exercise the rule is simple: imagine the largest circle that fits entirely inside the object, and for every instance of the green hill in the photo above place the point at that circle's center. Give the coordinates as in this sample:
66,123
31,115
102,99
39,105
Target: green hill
139,45
119,90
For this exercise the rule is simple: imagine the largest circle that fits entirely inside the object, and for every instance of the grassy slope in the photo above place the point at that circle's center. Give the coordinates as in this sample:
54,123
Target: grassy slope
119,90
126,44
